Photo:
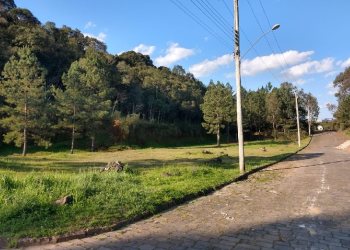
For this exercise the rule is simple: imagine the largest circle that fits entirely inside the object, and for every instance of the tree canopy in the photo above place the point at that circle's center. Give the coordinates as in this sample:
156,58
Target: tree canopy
76,90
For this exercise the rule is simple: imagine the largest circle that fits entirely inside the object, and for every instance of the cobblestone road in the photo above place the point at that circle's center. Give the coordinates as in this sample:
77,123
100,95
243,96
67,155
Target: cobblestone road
301,203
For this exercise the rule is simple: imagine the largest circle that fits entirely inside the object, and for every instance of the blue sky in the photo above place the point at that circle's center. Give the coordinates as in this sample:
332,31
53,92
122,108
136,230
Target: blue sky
313,42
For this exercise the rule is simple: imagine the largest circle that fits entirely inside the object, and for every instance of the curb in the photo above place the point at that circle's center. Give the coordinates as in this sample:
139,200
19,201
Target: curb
26,242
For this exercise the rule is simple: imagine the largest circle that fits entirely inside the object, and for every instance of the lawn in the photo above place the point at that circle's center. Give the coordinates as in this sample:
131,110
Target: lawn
153,178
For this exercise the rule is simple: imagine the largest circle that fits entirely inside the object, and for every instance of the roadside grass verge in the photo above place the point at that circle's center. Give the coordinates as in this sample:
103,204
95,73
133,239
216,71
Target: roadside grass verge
153,178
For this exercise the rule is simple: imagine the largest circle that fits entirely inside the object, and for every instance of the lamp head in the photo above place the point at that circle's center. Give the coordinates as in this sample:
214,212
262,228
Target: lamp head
275,27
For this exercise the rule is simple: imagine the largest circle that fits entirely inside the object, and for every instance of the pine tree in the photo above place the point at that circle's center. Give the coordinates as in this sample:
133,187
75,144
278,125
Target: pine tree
97,76
85,102
23,89
70,103
217,108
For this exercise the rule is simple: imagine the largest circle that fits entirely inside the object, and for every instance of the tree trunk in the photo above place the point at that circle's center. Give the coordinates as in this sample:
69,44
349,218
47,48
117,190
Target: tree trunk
24,153
73,137
218,137
274,127
228,132
73,133
92,143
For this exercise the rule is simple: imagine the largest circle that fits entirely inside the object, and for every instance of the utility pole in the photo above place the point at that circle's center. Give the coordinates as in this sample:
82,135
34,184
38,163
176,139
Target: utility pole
309,118
237,57
297,111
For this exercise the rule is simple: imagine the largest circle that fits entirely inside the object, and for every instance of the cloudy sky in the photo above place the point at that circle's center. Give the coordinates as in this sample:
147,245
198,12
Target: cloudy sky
310,48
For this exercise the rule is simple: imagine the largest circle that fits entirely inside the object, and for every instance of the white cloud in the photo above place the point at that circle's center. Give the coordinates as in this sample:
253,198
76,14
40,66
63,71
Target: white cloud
300,81
101,36
310,67
208,66
258,64
173,54
89,25
331,74
345,63
331,89
144,49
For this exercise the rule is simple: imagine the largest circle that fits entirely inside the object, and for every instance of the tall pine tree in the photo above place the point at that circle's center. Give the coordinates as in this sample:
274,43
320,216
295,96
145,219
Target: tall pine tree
70,103
85,101
23,89
217,108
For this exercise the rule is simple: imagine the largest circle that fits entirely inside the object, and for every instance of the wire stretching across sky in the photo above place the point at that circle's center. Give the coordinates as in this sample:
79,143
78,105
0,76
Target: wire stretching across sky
252,45
223,30
262,32
274,36
224,42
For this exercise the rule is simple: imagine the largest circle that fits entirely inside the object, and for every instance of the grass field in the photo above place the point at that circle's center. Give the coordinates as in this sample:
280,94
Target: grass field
153,177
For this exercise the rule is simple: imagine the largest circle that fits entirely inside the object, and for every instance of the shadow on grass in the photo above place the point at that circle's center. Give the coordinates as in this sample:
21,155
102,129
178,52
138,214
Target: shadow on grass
52,166
224,162
267,142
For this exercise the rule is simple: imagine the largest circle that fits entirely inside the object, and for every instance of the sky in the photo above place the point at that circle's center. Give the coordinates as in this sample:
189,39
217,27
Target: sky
309,49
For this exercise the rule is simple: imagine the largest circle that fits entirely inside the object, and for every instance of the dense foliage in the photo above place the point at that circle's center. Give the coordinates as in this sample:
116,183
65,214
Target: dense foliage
218,108
75,90
342,111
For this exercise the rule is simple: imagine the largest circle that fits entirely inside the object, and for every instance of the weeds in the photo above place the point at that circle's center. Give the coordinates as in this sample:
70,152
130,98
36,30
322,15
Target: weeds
30,186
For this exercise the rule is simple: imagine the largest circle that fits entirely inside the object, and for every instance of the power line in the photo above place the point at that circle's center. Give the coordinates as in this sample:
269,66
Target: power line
260,57
262,30
217,13
251,44
258,22
208,14
201,23
278,45
228,9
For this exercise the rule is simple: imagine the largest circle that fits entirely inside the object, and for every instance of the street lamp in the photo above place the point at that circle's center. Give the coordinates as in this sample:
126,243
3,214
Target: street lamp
238,82
273,28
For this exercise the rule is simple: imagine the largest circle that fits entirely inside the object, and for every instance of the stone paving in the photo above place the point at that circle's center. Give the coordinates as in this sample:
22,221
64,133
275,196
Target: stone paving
301,203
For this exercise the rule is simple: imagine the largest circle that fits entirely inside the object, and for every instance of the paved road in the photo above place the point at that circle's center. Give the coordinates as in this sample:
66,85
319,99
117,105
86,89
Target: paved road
301,203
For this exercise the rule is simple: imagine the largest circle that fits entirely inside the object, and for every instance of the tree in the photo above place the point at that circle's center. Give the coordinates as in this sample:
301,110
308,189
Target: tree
23,88
332,108
71,102
343,112
178,70
217,108
313,110
254,107
85,102
273,106
98,73
342,82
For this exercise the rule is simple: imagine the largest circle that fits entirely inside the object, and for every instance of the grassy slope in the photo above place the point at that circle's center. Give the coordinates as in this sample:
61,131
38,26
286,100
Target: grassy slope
30,185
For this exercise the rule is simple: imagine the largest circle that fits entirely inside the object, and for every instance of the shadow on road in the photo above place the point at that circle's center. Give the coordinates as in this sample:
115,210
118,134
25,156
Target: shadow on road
322,232
305,156
311,165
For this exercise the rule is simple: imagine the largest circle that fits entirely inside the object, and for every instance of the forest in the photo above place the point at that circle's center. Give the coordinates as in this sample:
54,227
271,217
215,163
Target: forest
341,112
62,95
58,86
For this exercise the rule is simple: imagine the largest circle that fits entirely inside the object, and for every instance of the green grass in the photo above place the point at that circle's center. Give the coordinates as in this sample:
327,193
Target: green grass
347,132
153,178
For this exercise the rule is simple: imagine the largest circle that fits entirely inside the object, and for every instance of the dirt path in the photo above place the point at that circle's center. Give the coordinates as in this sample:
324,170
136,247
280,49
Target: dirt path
301,203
